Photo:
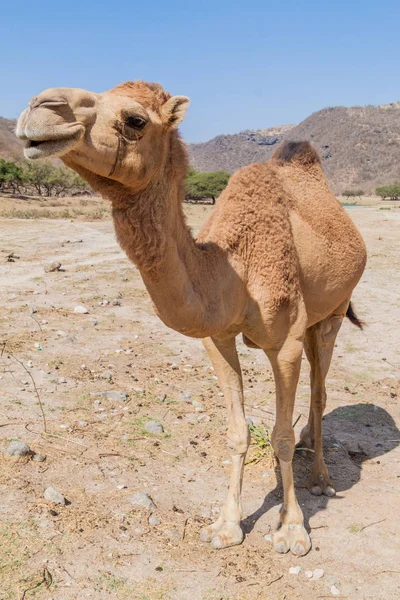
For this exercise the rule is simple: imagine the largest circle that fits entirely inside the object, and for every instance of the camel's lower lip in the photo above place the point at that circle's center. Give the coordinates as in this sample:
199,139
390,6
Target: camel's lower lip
40,149
56,146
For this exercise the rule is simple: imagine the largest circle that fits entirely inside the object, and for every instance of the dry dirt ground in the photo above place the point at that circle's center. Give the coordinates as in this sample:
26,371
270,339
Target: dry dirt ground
98,452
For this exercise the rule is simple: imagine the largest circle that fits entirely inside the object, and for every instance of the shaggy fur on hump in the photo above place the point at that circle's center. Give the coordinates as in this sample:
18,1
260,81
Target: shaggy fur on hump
301,153
150,95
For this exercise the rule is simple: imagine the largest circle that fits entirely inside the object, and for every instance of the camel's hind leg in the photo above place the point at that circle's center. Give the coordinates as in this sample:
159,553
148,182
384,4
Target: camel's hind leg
286,363
319,344
226,531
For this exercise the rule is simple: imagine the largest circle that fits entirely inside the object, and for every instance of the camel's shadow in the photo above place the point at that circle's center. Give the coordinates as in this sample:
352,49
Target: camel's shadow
353,434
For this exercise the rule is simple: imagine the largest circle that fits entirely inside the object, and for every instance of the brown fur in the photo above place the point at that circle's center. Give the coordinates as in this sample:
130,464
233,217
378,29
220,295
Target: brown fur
277,260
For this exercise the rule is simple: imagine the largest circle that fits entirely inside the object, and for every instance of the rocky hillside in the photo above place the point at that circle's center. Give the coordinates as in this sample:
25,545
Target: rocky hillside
10,146
359,147
229,152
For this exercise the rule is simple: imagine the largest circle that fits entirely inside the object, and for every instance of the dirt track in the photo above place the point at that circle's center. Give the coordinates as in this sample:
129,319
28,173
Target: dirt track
98,546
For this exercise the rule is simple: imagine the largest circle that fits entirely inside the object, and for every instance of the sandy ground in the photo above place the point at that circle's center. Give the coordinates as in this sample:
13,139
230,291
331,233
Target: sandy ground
98,452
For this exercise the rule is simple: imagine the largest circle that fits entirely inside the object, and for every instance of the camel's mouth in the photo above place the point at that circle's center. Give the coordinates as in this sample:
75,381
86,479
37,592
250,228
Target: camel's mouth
41,148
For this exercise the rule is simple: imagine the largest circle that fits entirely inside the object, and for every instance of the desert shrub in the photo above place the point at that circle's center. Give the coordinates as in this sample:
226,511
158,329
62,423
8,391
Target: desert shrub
353,193
389,191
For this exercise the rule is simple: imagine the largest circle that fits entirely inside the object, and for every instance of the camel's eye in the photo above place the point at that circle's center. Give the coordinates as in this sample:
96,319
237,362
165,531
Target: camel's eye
135,122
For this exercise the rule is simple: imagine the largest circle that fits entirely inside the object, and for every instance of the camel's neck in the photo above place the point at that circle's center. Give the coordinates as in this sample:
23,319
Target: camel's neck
189,283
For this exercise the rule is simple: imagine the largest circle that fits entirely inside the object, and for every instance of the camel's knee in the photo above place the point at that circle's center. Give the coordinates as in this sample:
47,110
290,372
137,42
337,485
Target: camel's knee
239,437
283,444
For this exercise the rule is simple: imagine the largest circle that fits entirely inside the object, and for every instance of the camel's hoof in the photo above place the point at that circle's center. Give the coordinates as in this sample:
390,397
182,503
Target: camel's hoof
292,537
281,545
222,535
321,485
206,534
229,535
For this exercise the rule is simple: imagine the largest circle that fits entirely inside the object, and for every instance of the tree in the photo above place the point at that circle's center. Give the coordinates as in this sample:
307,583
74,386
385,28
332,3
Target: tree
353,193
12,176
389,191
205,185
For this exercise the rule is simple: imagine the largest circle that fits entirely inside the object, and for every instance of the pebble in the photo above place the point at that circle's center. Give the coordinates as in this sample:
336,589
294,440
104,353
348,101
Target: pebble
38,457
294,570
116,302
191,418
186,396
142,499
204,418
115,395
32,309
220,394
154,521
154,427
332,580
83,423
44,322
308,574
50,267
335,591
51,494
61,380
29,364
198,406
106,375
17,449
318,573
61,333
82,310
268,538
172,533
122,487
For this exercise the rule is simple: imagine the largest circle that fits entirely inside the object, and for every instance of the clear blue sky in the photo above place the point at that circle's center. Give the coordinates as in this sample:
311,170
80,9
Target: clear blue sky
248,64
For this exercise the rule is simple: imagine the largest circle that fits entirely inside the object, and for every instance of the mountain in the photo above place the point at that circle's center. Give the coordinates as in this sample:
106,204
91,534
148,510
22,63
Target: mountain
359,146
10,146
230,152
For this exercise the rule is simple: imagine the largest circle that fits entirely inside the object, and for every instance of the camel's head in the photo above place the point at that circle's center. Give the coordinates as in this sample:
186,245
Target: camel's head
123,134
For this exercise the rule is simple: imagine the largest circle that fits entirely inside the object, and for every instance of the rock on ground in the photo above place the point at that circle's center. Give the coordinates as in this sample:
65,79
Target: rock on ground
154,427
114,395
54,266
17,449
81,310
51,494
143,500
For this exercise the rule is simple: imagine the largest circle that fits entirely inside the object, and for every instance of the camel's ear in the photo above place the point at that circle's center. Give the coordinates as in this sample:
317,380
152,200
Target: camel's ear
174,110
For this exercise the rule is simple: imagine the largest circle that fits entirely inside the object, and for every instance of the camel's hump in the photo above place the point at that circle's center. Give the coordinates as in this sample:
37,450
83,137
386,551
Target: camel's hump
301,153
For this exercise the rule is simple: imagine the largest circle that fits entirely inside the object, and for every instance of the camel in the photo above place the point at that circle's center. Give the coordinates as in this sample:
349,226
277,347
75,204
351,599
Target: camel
276,261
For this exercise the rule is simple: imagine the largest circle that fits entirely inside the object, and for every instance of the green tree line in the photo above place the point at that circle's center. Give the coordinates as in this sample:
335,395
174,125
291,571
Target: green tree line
389,191
40,179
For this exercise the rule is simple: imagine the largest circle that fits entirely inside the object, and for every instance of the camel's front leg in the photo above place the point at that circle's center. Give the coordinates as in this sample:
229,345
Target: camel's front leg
226,531
286,366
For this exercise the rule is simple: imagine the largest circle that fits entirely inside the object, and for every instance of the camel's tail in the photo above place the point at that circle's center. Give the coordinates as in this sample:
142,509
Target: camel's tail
350,314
